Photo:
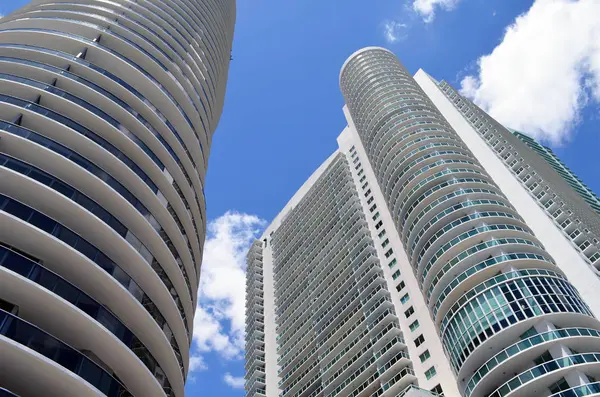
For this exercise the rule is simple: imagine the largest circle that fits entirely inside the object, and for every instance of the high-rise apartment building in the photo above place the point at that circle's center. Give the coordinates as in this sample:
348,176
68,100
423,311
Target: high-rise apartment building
419,254
107,110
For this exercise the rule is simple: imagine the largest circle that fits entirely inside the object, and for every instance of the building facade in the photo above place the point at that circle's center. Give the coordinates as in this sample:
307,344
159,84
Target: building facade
416,256
107,111
571,205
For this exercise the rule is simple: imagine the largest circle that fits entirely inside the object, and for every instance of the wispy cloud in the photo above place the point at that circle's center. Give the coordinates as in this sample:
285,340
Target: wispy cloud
394,31
427,8
237,382
545,70
219,321
413,11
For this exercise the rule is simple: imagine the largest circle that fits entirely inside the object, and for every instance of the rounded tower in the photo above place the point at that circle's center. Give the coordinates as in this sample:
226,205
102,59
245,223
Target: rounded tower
107,110
510,322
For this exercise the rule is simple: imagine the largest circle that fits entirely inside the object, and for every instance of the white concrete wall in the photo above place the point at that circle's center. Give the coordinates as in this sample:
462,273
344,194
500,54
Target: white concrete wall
566,256
271,366
445,376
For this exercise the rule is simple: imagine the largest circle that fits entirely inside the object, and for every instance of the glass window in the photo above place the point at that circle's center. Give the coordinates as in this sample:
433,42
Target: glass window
400,286
63,188
66,291
67,236
559,386
17,209
420,340
86,304
430,373
414,325
86,249
424,356
42,222
409,312
405,298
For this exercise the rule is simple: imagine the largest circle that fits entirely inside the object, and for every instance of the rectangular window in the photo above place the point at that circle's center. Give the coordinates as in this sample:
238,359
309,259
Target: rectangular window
566,223
373,208
559,386
548,203
356,160
362,179
420,339
541,194
400,286
392,263
438,390
409,312
424,356
405,298
358,166
430,373
529,333
396,274
389,253
543,358
360,172
376,216
378,225
352,149
381,233
557,213
367,193
365,185
414,325
369,201
385,243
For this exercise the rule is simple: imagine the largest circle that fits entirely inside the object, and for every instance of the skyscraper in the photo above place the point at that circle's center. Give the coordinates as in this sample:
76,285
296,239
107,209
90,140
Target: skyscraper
107,111
415,255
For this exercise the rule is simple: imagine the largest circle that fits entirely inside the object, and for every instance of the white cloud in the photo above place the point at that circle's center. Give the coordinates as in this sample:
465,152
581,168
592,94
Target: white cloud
394,31
219,322
197,363
427,8
545,70
234,381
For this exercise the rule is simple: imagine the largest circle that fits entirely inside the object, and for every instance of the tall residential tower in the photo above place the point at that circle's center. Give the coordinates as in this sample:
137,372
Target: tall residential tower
418,255
107,111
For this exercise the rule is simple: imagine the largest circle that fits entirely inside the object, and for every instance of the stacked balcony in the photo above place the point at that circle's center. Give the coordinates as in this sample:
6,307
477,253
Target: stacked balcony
338,334
255,323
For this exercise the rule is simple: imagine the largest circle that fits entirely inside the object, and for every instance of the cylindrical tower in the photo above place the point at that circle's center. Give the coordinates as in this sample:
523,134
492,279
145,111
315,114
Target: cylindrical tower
510,322
107,110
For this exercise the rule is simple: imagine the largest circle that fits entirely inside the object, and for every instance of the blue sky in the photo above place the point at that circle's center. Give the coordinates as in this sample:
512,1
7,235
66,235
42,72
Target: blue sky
283,113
